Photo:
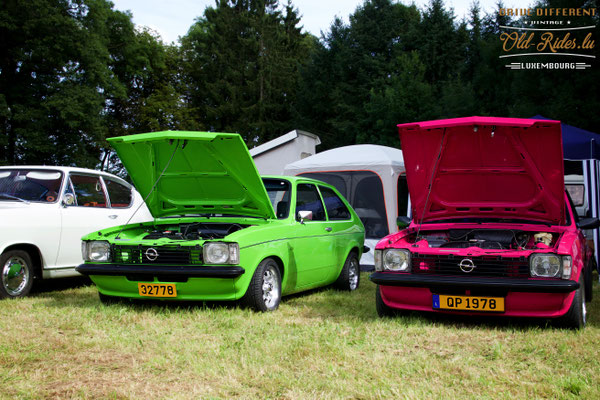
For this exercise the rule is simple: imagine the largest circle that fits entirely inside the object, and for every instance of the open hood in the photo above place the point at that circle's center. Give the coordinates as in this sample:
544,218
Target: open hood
205,173
484,167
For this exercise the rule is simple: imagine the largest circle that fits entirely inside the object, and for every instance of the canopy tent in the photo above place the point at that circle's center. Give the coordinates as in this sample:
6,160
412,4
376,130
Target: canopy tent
372,179
584,146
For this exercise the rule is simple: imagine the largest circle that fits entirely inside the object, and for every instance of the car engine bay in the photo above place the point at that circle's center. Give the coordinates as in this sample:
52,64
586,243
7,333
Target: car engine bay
193,231
489,239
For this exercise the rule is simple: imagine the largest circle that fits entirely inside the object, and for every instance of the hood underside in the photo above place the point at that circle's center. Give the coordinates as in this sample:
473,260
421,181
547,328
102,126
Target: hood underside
484,167
202,173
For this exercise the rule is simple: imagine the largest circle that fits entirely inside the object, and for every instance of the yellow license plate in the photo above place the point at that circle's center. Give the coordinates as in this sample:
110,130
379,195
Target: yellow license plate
468,303
157,289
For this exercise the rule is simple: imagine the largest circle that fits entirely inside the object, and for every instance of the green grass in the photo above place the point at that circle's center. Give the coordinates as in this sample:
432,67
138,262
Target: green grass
322,344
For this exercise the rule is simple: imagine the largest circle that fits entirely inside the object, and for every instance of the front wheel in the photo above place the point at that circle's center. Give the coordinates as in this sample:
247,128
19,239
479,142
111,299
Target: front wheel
16,274
349,278
383,310
575,318
264,291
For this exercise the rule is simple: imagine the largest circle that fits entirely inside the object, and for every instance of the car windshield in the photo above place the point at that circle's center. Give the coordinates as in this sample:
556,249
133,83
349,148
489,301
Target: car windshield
30,185
279,194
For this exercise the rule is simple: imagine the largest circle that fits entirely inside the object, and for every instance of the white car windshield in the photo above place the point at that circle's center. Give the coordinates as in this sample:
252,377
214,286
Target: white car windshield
30,185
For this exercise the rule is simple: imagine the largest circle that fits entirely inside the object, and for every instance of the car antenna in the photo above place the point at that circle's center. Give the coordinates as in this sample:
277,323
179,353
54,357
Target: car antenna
153,186
437,160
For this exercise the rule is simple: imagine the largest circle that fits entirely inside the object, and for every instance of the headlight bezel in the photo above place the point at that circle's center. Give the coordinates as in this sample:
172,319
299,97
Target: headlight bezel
232,252
96,251
384,260
554,261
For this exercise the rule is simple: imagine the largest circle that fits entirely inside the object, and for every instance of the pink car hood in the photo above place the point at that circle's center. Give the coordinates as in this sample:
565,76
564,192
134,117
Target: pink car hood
487,168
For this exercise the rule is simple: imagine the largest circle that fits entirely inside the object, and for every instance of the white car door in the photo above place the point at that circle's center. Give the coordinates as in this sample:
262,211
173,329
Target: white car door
89,211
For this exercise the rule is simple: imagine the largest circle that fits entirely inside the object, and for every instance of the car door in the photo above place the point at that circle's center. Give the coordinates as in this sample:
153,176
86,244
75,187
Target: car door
89,211
313,246
340,222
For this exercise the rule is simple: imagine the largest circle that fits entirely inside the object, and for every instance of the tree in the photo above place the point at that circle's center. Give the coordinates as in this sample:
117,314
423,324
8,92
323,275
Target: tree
241,61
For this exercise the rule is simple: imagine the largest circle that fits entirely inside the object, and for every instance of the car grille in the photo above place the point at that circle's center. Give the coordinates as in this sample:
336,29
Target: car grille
492,266
157,255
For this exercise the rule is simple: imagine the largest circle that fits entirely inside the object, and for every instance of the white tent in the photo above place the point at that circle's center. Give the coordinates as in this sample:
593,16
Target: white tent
373,180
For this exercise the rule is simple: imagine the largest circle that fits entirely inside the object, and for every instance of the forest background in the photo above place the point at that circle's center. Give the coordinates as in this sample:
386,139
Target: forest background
75,72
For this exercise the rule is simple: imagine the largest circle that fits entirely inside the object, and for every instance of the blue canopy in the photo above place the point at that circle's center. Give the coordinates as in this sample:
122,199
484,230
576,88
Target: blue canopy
578,144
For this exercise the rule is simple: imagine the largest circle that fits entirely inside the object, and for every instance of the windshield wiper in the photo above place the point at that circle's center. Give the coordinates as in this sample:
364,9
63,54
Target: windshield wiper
11,197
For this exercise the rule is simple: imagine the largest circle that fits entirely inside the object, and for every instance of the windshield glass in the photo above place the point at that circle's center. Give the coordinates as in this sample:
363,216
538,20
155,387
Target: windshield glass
30,185
279,194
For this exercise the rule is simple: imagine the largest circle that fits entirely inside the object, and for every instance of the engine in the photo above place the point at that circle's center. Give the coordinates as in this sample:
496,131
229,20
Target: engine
194,231
487,239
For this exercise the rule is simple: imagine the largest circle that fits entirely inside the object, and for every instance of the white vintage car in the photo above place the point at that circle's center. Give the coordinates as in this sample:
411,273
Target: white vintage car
44,212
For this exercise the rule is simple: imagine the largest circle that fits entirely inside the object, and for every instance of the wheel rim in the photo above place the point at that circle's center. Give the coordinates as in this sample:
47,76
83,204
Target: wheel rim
15,275
270,287
353,274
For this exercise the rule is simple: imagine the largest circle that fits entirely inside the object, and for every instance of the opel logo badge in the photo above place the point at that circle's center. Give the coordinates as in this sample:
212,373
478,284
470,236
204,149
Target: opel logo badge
465,265
151,254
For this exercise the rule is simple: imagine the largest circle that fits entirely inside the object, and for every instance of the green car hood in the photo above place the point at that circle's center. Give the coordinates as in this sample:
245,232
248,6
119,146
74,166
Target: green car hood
203,173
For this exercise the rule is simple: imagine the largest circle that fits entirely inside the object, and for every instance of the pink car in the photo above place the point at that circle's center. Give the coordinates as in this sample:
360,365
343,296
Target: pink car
493,231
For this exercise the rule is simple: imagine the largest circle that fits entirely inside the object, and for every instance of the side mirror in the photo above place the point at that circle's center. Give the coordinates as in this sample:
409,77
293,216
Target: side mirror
403,221
588,223
305,214
68,200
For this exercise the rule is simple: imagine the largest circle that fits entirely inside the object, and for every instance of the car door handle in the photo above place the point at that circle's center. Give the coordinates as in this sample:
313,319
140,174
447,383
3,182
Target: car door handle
113,216
328,229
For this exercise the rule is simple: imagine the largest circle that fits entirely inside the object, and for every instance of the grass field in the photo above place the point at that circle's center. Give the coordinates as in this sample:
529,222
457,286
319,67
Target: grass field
322,344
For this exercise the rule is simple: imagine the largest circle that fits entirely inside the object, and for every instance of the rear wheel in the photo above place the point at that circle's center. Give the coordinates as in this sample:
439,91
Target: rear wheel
383,310
264,291
575,318
349,278
16,274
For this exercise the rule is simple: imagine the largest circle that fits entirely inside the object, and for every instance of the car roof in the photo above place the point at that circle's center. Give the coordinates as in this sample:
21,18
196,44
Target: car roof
296,179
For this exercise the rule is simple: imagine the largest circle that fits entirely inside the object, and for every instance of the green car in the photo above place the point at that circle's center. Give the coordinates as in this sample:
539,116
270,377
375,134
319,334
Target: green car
220,232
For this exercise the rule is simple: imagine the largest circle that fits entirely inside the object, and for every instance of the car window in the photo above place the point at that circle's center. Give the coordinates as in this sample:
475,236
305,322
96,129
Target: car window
336,209
576,191
30,185
88,191
279,194
308,199
120,195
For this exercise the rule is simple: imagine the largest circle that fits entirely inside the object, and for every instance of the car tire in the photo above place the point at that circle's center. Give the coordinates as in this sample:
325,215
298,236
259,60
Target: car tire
16,274
575,318
588,282
383,310
264,291
349,278
108,300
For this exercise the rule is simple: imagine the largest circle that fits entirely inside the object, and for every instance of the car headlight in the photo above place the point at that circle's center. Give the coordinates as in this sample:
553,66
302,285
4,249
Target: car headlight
392,260
221,253
96,250
545,265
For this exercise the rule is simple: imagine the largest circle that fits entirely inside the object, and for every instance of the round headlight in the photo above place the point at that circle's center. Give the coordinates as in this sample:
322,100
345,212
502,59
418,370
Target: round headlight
396,260
216,253
98,251
545,265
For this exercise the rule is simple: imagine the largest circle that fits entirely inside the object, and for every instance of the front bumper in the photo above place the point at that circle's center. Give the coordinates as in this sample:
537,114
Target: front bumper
523,297
193,283
161,270
441,282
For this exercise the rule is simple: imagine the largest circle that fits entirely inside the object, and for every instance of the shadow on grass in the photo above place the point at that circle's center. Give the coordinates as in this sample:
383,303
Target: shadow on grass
320,303
60,284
